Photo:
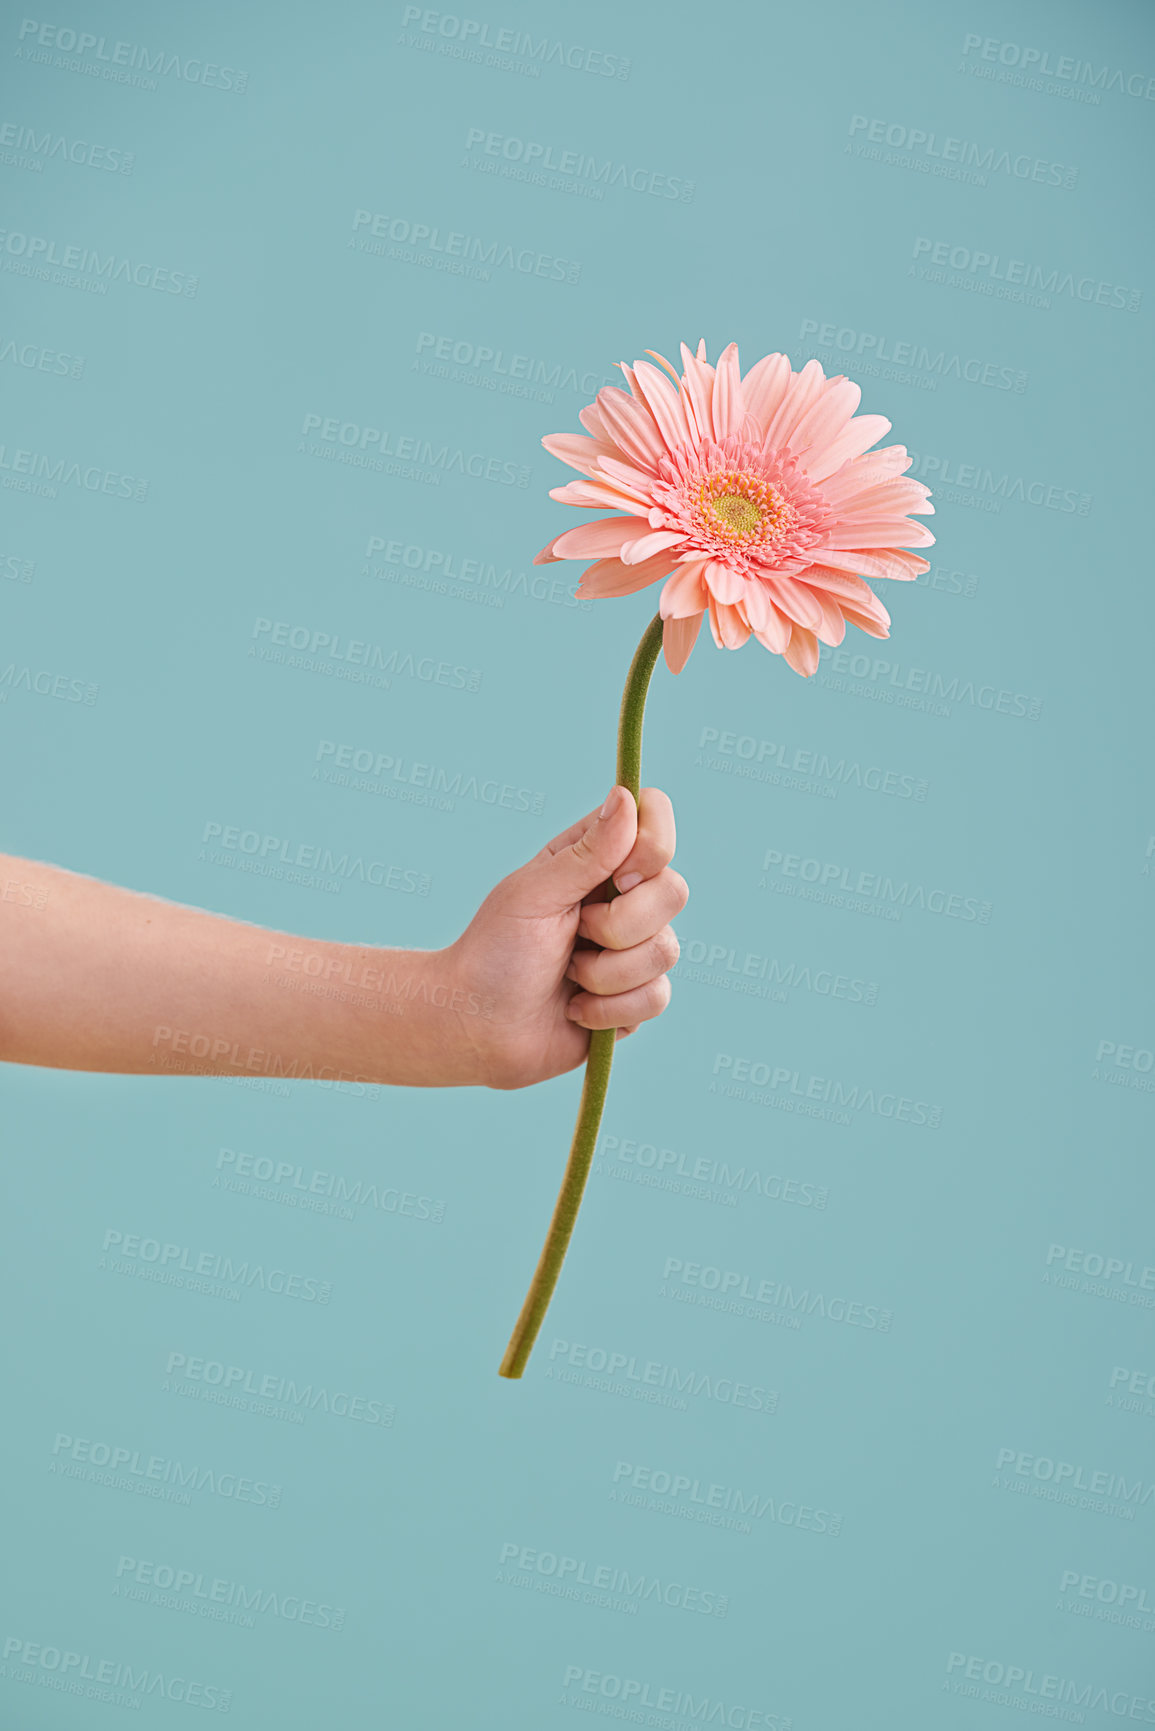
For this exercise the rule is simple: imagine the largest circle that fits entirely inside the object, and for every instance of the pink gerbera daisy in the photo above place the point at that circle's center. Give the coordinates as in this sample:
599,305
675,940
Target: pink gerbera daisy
757,499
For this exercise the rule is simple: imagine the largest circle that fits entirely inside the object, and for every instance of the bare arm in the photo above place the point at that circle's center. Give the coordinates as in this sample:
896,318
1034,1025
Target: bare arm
102,978
94,977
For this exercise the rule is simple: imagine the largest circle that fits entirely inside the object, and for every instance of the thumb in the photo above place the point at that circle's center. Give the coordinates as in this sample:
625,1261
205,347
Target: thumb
565,877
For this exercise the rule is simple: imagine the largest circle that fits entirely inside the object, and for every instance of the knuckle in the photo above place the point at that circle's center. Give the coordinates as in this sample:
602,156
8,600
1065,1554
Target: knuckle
668,947
679,889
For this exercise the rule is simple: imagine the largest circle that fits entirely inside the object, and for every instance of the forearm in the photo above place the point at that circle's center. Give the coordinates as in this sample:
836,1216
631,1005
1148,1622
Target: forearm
95,977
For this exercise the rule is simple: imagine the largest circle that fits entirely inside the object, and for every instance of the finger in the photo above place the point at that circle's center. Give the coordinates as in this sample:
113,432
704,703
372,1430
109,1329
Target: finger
654,847
603,972
639,914
624,1009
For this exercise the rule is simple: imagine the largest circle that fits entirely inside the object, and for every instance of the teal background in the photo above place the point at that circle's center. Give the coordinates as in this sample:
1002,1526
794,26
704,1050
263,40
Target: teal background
950,1591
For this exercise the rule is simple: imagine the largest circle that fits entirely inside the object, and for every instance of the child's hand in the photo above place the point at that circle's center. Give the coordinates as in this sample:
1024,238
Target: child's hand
556,959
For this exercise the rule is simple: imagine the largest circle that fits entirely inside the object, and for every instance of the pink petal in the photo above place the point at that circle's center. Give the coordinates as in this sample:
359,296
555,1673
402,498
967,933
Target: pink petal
629,478
764,387
820,462
678,639
771,627
591,494
725,585
727,624
698,389
576,450
833,627
632,427
871,626
547,556
665,363
645,546
684,592
802,390
802,652
826,417
596,540
889,562
665,405
839,585
800,604
893,496
865,471
831,593
611,577
727,408
881,534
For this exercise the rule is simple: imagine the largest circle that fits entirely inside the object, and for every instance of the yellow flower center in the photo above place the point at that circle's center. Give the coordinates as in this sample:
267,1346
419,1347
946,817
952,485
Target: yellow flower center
737,507
738,513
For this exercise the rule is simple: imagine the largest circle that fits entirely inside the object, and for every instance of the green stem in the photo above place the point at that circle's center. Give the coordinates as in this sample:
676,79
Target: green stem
601,1052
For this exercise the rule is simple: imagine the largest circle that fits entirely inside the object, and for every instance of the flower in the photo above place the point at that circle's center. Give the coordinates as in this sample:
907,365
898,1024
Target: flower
757,499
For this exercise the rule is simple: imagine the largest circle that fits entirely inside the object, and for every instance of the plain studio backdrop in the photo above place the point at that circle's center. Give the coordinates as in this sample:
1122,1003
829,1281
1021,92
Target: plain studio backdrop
842,1412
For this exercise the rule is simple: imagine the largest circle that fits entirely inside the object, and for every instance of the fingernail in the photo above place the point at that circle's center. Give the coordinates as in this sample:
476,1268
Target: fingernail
628,882
612,796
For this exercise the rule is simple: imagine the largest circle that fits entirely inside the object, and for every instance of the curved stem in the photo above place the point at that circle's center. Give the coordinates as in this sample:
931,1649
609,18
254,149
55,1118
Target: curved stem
601,1052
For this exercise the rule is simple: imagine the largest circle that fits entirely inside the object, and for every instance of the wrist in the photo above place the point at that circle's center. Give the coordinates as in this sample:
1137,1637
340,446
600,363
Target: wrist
409,1021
